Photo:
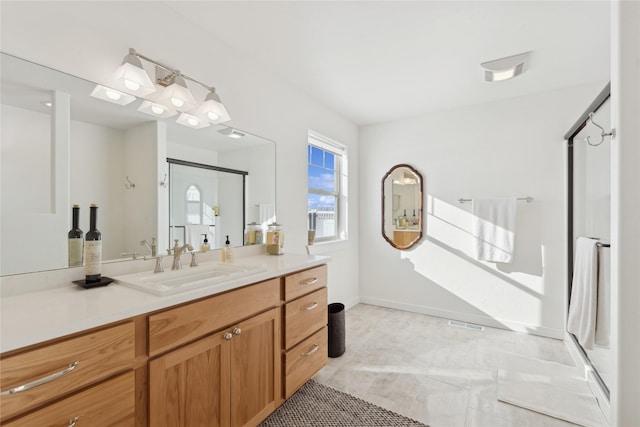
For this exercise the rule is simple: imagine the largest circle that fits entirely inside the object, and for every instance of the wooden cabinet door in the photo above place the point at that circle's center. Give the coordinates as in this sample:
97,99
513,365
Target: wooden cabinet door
255,369
190,386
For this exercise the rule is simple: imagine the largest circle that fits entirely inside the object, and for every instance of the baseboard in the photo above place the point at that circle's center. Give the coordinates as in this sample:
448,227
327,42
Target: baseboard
466,317
587,373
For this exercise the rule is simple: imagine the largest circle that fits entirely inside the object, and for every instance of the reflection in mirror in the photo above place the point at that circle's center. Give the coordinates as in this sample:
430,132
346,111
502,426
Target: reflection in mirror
205,201
62,147
402,206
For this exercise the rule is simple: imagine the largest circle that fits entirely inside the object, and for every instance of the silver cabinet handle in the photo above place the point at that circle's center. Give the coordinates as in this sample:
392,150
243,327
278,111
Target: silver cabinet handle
237,331
227,336
315,348
41,381
72,423
309,281
310,307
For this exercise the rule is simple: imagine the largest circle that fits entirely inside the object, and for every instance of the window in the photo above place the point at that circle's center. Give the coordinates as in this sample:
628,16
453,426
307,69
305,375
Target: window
327,179
194,206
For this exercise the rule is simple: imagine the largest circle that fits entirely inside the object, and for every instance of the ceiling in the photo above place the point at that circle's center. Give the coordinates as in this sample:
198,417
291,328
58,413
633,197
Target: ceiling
381,61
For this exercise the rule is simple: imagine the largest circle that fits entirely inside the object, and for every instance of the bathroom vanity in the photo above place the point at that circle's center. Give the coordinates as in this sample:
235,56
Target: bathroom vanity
222,355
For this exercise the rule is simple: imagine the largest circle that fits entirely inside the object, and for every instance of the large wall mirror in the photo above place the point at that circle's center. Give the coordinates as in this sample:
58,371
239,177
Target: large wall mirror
62,147
402,206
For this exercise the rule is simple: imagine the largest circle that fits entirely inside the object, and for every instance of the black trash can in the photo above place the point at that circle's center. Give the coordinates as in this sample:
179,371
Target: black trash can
336,329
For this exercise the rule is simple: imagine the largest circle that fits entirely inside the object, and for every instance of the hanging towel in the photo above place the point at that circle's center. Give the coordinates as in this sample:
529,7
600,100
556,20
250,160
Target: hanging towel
584,292
194,234
494,227
603,315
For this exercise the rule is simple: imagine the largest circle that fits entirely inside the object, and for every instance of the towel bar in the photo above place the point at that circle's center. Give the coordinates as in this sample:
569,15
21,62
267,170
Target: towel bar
527,199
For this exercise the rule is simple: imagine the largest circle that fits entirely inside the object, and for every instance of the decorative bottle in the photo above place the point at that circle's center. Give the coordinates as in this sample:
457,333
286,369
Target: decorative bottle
76,240
93,249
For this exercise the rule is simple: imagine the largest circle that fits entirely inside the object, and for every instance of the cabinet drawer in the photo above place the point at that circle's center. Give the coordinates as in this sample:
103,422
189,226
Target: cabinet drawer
304,360
304,282
172,328
111,403
54,370
304,316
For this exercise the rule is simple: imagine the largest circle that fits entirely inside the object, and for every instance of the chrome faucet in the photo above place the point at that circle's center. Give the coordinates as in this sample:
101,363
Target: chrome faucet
177,252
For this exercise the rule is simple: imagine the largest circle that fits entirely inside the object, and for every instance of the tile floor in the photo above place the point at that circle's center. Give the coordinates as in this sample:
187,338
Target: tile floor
444,376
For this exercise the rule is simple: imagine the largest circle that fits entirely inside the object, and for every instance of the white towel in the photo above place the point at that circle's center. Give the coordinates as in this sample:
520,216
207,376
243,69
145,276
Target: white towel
603,316
584,293
494,227
194,235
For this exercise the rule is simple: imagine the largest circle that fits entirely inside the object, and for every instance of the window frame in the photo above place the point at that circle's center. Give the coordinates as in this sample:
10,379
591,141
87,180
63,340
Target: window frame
340,169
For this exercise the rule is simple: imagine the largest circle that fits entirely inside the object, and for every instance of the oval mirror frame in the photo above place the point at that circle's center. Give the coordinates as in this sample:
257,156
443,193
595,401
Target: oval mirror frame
402,192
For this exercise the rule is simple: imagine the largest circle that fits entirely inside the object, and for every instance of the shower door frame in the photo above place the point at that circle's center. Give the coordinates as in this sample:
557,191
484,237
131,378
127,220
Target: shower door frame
602,97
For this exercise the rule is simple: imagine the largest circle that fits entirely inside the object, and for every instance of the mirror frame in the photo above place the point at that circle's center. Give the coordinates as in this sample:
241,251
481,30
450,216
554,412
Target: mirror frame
419,208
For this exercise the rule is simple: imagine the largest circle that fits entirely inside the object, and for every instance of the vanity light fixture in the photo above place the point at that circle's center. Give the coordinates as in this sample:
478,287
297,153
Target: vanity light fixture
232,133
156,110
192,121
406,179
132,77
112,95
504,68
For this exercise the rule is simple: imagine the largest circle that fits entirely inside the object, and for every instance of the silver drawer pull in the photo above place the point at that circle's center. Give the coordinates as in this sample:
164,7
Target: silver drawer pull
72,423
311,281
41,381
315,348
310,307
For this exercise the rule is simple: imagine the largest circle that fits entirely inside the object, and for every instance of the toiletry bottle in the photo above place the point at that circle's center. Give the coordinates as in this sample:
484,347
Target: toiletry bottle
227,251
93,249
76,240
205,244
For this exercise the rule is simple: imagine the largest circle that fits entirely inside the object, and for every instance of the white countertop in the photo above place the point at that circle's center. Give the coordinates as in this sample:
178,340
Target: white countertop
34,317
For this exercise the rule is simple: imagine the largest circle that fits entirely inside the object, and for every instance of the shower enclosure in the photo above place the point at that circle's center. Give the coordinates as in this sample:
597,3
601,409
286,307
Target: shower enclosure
589,194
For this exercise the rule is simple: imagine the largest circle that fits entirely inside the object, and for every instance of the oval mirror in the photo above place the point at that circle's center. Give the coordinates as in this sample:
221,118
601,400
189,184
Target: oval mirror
402,206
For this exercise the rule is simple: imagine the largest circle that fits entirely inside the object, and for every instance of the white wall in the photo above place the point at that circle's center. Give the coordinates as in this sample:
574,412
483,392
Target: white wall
140,212
97,176
625,203
503,149
89,40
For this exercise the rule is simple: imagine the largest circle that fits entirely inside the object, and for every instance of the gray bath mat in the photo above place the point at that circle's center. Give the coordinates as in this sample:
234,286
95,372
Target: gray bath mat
316,405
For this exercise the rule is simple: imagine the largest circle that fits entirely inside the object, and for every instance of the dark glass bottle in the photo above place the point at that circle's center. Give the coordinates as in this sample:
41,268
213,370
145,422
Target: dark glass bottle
76,241
93,249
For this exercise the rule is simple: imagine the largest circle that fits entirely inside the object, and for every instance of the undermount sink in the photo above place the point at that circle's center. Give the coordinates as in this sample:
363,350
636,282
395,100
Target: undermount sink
186,279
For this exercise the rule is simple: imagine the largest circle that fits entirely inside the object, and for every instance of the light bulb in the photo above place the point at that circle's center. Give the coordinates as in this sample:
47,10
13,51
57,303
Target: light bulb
131,85
177,102
112,94
192,121
157,109
212,115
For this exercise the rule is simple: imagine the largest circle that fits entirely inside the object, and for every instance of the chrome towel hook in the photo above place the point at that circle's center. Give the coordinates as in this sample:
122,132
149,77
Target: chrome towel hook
611,133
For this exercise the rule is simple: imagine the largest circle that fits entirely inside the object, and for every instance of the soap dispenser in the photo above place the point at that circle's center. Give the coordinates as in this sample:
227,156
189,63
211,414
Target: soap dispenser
227,251
205,244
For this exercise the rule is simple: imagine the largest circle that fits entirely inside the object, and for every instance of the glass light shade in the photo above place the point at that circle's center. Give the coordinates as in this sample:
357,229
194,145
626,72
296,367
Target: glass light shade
504,68
156,110
192,121
213,109
177,95
131,77
112,95
231,133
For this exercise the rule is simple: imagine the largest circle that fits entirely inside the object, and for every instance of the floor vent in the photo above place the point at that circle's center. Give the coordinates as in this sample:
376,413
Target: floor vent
466,325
